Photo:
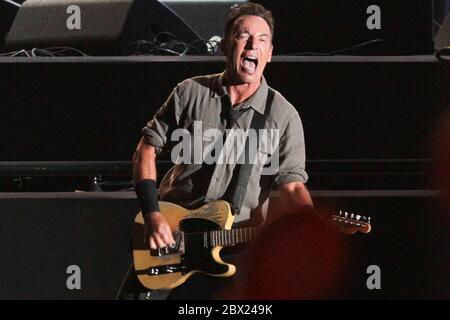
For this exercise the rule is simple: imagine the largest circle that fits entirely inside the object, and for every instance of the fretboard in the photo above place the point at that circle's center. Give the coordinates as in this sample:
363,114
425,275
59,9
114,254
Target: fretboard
225,238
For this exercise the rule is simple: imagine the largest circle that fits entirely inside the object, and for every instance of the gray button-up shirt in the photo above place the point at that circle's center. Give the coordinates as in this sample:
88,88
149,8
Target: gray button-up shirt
198,105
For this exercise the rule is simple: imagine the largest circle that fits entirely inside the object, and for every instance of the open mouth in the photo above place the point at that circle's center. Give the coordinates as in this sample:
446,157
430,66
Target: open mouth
249,63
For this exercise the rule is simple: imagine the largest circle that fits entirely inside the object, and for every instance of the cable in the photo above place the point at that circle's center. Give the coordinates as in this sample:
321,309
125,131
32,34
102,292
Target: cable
59,50
45,52
158,35
331,53
166,43
140,47
18,5
211,44
356,46
439,54
18,53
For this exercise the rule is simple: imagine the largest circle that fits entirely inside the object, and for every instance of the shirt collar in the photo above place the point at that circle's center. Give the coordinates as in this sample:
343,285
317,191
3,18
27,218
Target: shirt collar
256,101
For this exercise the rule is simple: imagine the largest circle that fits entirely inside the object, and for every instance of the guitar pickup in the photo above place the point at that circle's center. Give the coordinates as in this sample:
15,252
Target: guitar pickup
177,248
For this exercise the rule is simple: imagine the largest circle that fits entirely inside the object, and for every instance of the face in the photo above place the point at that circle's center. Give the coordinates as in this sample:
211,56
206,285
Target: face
248,49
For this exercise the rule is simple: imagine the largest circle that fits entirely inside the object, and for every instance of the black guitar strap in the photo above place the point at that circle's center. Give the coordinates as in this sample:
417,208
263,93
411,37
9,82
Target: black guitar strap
237,188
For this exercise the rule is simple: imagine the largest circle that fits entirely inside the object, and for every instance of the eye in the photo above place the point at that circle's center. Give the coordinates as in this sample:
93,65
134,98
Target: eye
243,36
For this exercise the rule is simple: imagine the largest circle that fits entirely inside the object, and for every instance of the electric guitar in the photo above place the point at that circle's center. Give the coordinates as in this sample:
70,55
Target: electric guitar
199,236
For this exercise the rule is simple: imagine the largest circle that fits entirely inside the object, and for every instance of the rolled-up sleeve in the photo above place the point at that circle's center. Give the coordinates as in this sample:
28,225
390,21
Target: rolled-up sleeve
167,118
292,153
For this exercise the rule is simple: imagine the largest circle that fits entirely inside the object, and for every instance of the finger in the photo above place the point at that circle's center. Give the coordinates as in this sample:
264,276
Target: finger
166,234
168,237
152,243
159,242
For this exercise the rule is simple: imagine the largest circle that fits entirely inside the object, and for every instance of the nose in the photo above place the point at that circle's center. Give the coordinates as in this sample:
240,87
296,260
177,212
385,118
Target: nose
252,43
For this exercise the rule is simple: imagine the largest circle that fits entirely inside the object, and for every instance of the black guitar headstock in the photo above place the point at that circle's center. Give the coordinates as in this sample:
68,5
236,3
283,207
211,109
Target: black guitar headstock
351,223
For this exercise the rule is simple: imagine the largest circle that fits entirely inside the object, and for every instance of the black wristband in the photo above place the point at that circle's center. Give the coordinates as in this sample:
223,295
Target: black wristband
147,195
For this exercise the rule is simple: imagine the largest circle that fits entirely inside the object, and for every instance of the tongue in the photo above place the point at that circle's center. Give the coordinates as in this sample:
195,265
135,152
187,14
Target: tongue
249,64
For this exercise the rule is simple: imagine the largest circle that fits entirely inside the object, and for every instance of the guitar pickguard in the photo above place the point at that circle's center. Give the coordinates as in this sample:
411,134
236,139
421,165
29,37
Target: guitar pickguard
197,256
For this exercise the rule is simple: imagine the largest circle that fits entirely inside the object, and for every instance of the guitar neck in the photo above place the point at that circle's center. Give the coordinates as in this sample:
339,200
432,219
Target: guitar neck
227,238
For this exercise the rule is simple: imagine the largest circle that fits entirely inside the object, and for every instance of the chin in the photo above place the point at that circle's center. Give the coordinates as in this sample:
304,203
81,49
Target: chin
246,78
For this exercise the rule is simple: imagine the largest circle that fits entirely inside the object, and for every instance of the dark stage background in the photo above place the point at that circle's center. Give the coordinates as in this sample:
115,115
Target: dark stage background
352,108
367,122
79,110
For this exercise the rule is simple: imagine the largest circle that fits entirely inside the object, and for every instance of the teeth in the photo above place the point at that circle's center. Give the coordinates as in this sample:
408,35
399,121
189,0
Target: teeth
249,63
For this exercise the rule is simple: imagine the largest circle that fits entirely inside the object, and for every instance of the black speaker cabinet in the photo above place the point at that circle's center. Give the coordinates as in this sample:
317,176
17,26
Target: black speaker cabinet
7,13
64,245
325,26
106,27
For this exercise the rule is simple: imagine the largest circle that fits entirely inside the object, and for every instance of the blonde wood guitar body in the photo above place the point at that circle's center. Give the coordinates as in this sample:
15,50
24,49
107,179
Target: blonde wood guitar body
200,235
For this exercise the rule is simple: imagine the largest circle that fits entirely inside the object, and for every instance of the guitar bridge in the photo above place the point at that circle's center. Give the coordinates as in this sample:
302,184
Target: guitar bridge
177,248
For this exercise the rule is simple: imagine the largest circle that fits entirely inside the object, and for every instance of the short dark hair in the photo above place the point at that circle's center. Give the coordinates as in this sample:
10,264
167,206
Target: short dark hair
248,9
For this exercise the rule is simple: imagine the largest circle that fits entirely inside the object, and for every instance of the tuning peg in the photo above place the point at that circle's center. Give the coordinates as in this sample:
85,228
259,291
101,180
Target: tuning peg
340,213
358,217
346,214
352,216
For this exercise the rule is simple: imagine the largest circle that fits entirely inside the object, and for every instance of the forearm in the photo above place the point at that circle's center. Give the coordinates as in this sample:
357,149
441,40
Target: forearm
144,162
144,168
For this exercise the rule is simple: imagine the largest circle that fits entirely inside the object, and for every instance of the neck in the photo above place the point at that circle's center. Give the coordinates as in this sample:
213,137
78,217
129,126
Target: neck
239,92
227,238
